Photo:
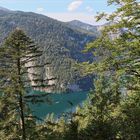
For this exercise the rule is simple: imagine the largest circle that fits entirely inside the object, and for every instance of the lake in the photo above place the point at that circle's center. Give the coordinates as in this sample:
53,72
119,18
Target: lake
60,103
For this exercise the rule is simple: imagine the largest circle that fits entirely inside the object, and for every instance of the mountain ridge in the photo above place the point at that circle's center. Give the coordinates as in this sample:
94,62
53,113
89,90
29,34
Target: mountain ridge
84,27
61,45
4,9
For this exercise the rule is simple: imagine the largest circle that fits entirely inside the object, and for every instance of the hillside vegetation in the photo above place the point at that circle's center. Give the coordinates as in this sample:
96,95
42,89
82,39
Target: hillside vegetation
61,46
112,110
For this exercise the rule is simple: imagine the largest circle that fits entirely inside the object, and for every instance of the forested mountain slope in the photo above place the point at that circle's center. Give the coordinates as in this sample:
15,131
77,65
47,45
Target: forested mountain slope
84,27
61,45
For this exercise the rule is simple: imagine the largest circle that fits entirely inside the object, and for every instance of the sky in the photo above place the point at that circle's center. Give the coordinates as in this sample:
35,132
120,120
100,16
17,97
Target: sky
63,10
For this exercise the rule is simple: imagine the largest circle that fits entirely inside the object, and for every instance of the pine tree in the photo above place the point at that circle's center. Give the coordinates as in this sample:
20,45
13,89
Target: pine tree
19,71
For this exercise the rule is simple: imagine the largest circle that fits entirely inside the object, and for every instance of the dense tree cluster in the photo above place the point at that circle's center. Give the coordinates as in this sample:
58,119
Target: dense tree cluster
112,111
60,44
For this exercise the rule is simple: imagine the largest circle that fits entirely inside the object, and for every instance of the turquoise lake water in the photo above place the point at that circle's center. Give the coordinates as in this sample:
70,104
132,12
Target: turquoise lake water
60,103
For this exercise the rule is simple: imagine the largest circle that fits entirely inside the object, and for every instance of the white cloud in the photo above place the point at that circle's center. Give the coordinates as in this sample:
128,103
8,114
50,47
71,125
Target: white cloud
89,9
74,5
40,9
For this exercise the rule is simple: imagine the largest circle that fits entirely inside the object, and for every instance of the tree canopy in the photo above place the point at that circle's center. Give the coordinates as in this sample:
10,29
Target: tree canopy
112,111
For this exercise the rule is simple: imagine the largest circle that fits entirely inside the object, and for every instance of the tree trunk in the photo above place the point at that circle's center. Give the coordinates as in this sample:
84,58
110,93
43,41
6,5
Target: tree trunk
21,101
22,117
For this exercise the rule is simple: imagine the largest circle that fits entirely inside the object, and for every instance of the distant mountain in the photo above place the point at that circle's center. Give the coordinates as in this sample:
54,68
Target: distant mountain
83,27
61,45
91,29
3,9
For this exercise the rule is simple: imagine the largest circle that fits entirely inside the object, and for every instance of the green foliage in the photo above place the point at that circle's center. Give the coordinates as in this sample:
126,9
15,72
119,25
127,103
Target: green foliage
130,116
97,118
18,61
60,44
112,110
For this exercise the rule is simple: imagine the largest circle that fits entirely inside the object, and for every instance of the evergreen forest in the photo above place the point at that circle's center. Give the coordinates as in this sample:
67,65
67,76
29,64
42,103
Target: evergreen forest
112,109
